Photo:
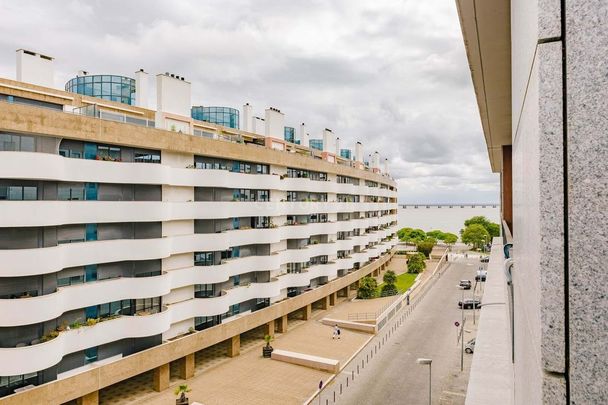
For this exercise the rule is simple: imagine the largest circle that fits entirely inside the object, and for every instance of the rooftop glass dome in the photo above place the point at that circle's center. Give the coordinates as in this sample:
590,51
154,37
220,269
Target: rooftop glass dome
107,87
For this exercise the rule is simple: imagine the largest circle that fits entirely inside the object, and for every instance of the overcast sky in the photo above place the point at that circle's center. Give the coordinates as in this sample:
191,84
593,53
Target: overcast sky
391,74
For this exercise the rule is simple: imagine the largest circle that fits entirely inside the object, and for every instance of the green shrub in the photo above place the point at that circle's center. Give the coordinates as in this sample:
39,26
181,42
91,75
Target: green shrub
367,288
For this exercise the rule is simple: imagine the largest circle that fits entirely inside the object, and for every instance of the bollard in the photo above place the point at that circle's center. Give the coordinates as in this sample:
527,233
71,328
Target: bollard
334,396
353,378
357,369
346,381
367,358
341,386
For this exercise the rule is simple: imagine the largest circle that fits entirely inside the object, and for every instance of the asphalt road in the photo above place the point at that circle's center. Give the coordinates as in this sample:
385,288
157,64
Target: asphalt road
392,376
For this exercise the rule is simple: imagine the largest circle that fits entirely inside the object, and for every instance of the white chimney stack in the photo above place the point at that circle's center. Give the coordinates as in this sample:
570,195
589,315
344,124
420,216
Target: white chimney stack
304,137
275,123
329,141
35,68
386,166
359,152
247,117
173,95
337,146
141,88
375,161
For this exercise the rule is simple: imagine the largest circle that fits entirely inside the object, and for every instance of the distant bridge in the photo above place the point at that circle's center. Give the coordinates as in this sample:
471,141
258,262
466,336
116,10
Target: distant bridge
468,205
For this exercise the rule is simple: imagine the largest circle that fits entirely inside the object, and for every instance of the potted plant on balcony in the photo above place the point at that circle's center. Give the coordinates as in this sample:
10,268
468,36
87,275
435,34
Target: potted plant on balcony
181,390
267,350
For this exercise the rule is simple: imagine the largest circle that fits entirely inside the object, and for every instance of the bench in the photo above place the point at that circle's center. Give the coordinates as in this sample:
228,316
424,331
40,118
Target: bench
358,326
307,360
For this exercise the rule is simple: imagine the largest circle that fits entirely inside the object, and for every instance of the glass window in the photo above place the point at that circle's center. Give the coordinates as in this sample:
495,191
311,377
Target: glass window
203,259
90,354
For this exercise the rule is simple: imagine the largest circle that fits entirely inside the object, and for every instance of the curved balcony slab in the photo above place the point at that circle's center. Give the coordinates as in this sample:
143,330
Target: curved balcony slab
46,166
25,262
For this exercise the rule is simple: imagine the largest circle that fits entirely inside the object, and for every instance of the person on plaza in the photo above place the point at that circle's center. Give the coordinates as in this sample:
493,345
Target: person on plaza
336,332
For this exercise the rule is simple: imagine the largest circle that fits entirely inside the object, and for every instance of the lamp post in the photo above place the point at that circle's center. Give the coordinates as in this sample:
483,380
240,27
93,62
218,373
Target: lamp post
427,362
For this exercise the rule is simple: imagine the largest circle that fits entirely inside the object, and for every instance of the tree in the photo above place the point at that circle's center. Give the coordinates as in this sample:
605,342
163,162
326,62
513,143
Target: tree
367,287
389,287
416,263
492,228
426,246
475,235
401,233
436,234
409,235
450,238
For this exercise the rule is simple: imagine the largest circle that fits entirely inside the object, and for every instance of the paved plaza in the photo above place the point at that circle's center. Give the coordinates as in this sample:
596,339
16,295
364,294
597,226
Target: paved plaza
263,381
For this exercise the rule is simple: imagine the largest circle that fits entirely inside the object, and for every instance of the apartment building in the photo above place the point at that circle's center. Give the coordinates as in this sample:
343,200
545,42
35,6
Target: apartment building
131,238
539,72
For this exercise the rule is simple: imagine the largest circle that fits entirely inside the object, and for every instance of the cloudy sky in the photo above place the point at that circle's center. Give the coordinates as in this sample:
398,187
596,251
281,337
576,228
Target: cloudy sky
389,73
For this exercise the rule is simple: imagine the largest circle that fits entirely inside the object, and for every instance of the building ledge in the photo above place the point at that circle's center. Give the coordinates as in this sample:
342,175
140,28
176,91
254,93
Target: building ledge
491,378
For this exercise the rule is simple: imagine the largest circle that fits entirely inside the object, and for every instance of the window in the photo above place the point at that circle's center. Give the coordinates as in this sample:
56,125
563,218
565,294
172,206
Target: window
70,192
67,281
146,157
16,193
204,290
17,143
204,259
149,305
292,196
90,354
260,222
108,153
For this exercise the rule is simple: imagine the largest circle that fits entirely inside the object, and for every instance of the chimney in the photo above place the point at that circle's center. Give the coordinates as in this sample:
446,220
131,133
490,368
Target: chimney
337,146
35,68
258,125
275,123
386,166
359,152
375,160
247,116
173,95
141,88
329,141
304,138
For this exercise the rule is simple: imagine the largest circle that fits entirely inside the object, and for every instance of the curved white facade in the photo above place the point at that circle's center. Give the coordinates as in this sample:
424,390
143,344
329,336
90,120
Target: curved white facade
147,243
47,354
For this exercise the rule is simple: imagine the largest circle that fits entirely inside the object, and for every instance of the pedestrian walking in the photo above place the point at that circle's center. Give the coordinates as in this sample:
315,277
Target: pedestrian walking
336,332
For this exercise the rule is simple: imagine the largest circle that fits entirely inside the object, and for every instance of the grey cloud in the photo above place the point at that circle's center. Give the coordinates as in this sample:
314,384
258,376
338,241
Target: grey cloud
392,74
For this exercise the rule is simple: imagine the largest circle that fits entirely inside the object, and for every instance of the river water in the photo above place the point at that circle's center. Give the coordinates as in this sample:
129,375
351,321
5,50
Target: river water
444,218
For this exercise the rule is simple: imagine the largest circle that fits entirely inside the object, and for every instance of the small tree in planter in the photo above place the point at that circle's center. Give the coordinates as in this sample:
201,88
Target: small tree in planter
389,288
181,390
267,350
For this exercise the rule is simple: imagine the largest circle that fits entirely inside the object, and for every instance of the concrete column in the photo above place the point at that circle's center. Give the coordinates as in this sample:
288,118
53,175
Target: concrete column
234,346
91,398
325,302
282,324
333,297
307,312
186,366
269,328
161,377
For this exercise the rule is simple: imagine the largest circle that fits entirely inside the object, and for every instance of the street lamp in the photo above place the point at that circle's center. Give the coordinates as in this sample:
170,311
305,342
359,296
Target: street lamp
427,362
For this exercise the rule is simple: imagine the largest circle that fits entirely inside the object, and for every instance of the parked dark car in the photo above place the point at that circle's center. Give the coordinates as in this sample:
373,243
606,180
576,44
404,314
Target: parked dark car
481,275
469,303
470,347
465,284
485,259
